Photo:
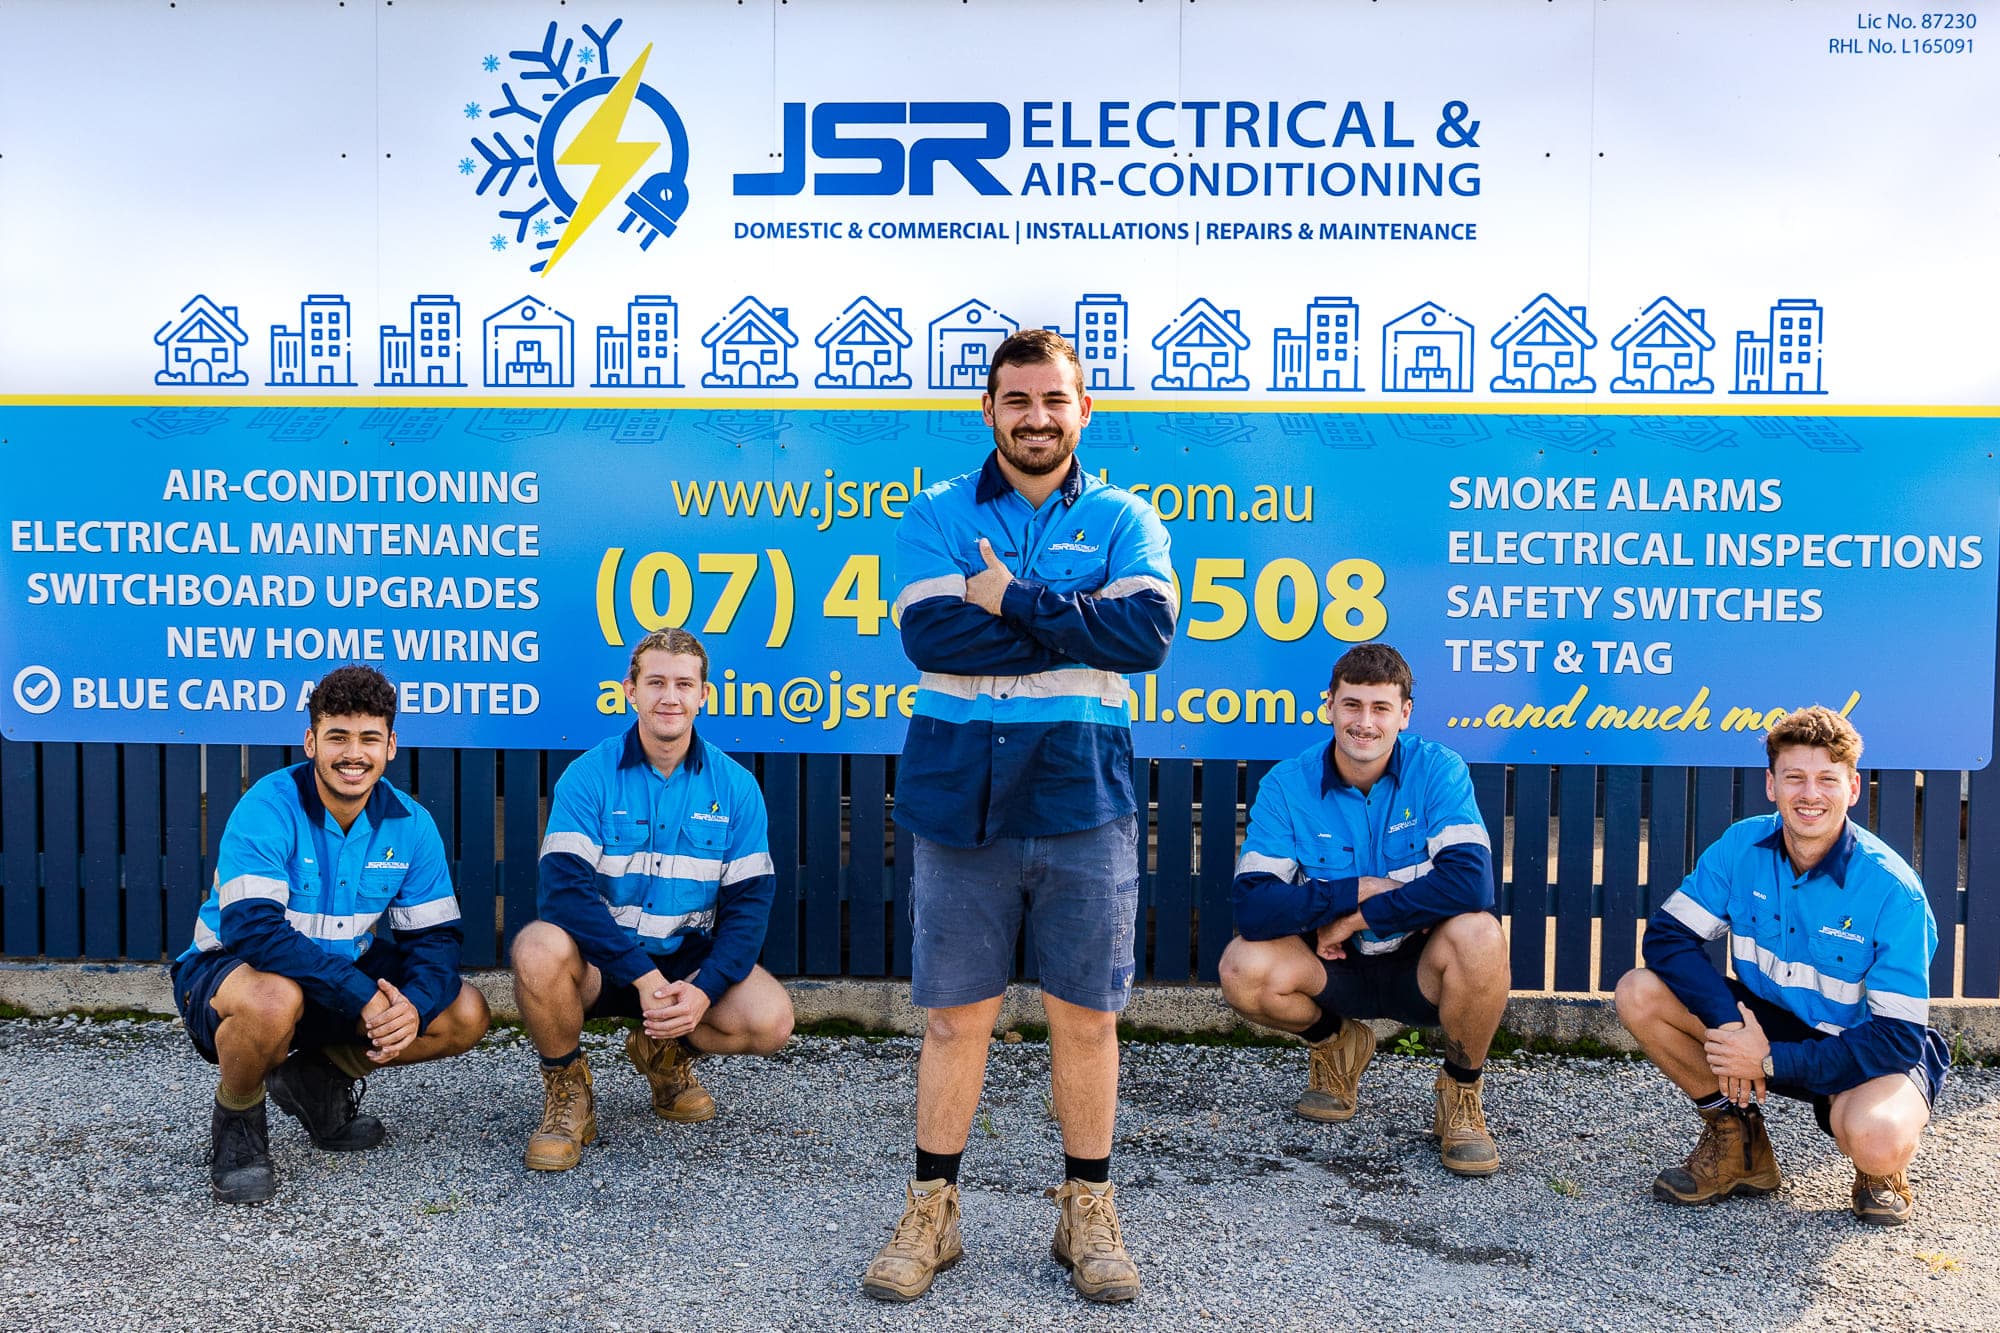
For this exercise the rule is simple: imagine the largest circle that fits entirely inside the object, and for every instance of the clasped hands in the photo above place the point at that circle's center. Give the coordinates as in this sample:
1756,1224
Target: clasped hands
669,1009
1333,936
1735,1053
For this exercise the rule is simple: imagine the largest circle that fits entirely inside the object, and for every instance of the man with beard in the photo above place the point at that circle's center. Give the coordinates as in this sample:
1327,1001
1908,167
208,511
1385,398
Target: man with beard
284,988
1364,891
1028,588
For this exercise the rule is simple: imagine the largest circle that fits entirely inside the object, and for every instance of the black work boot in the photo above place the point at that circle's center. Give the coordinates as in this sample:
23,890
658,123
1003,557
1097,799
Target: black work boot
327,1102
239,1161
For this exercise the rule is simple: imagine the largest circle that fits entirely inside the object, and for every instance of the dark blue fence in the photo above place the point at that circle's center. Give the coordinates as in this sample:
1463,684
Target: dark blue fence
105,853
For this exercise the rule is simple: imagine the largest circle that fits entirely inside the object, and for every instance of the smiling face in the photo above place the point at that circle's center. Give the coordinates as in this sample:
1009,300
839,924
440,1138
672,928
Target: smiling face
1366,722
1037,412
1813,793
666,692
349,753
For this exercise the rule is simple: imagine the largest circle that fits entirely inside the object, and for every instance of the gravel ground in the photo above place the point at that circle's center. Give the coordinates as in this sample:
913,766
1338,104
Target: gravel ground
1239,1215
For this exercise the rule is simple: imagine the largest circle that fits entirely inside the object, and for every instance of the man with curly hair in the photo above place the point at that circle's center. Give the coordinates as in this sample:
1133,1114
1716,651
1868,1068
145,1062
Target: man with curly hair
285,988
1832,940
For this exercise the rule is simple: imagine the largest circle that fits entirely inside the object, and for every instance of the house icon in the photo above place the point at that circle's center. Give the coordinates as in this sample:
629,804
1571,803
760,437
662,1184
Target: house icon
1202,348
1663,350
1427,350
1787,358
646,353
962,343
750,348
529,344
864,347
201,345
1542,349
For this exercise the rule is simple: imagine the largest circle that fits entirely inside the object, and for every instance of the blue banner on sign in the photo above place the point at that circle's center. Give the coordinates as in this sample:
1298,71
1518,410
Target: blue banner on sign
1611,590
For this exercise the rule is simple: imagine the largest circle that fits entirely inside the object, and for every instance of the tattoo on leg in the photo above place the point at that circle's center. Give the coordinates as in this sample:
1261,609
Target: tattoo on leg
1454,1051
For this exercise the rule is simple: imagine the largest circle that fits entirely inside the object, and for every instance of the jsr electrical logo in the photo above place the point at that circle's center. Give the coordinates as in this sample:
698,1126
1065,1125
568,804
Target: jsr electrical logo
589,139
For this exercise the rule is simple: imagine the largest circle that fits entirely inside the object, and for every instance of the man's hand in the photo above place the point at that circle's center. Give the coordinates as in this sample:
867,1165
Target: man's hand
1735,1053
669,1009
985,589
390,1022
1333,936
1370,886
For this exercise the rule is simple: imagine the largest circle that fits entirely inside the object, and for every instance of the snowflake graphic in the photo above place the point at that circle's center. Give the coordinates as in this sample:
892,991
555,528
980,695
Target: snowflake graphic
472,111
490,64
498,242
583,57
541,226
466,166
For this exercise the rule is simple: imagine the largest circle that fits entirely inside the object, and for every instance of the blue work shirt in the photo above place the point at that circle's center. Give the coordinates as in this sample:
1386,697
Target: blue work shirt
1846,946
296,896
634,865
1313,836
1022,722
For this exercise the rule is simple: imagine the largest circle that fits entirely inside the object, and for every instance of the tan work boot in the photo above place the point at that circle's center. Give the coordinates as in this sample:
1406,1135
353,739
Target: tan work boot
1883,1201
1459,1123
669,1067
925,1244
1335,1072
1090,1244
569,1117
1733,1157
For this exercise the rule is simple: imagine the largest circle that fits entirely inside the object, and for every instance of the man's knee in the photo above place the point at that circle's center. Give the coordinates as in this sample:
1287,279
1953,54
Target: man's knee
768,1019
1641,999
966,1023
1879,1139
542,954
463,1022
1474,944
1247,973
263,1002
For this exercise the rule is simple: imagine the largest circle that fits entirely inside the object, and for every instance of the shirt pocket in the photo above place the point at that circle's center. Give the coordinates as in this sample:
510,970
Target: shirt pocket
1840,959
1327,858
625,834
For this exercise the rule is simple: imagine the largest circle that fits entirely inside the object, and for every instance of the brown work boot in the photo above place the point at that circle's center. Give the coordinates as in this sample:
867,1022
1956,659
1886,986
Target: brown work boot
1883,1201
1459,1123
925,1244
569,1117
1733,1157
1090,1244
1335,1072
669,1067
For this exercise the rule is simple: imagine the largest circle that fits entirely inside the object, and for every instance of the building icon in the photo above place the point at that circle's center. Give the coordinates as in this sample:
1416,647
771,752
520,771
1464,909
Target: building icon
428,351
1663,350
1427,350
1787,358
864,347
529,345
320,350
646,353
1542,349
1327,355
751,348
962,343
201,345
1103,327
1202,348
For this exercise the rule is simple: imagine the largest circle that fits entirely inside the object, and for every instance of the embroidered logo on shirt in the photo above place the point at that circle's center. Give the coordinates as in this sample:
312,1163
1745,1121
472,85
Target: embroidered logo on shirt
1076,544
1841,933
712,815
1407,820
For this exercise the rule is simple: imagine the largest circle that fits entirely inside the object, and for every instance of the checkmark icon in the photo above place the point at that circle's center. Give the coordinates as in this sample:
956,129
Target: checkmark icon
37,689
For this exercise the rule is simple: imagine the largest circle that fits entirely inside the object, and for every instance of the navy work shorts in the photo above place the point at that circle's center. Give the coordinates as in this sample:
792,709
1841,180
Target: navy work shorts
1377,985
197,979
623,1001
1781,1024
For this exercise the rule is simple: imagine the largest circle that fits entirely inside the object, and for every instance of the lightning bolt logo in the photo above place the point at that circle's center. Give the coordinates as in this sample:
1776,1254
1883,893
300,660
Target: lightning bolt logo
597,145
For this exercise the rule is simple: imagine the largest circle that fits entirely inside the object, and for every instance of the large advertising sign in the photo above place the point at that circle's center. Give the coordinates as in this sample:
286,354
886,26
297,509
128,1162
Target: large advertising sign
1627,365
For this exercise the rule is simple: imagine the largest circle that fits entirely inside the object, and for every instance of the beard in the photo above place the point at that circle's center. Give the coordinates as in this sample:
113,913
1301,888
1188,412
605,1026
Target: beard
1059,451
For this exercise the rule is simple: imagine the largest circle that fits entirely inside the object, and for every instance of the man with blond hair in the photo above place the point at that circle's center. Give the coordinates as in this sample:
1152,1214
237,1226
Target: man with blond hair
1832,940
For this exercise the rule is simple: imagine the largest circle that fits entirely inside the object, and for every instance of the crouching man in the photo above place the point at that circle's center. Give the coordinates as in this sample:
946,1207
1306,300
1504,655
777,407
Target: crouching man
1364,891
1830,1004
655,892
284,988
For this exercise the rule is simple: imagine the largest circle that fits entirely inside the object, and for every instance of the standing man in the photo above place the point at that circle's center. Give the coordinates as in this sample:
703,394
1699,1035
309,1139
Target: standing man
1028,589
655,891
284,988
1365,890
1830,1004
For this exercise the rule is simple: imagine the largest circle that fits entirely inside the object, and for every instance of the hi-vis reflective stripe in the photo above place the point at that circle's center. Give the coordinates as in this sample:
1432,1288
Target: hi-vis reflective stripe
660,865
423,916
1079,683
1694,916
945,585
1454,835
245,887
1373,947
331,926
1909,1008
1132,583
1404,874
1801,976
652,927
746,867
205,939
571,844
1256,863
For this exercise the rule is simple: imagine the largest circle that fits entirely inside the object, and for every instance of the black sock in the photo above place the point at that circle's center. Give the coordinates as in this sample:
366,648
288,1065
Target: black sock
1714,1101
1460,1074
562,1061
1322,1027
938,1165
1090,1170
